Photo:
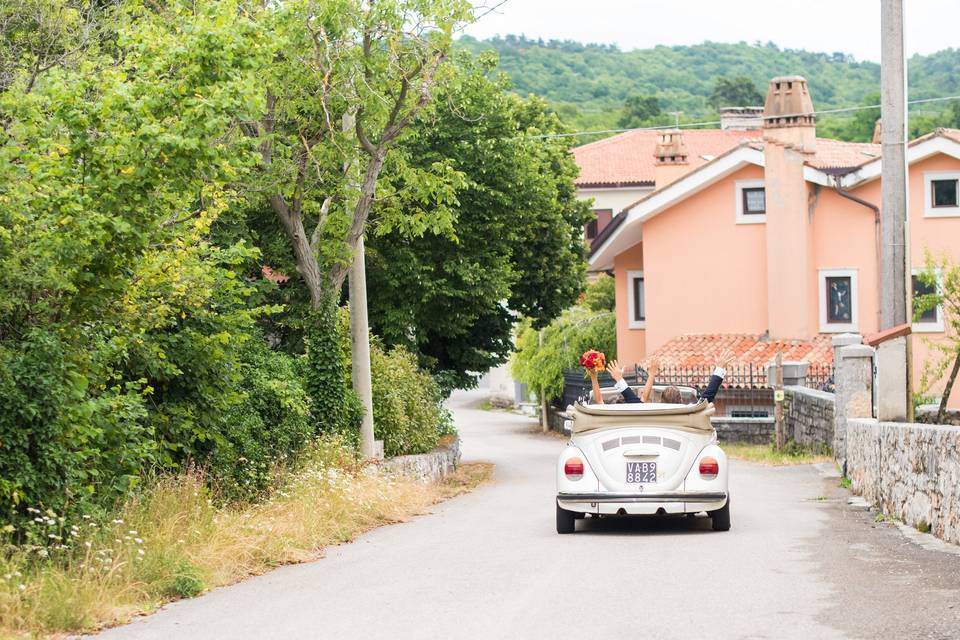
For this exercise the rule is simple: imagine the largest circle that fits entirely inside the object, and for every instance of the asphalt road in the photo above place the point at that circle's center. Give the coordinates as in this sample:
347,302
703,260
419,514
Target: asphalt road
799,562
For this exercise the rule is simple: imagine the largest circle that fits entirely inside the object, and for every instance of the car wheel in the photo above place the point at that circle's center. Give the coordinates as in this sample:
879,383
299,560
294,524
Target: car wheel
566,520
579,516
721,517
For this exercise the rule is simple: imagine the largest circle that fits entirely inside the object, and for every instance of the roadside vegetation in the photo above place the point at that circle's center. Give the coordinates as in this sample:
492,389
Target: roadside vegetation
175,539
792,453
183,186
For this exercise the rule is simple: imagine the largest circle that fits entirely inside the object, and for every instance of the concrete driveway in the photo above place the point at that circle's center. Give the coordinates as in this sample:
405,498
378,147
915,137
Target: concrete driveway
799,562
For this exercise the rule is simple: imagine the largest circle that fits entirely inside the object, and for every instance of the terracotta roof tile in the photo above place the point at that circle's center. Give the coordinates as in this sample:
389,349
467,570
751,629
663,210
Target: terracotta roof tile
697,353
627,159
832,154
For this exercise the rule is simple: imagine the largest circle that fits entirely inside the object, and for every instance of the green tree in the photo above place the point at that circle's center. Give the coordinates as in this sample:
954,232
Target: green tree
738,91
639,111
942,278
516,247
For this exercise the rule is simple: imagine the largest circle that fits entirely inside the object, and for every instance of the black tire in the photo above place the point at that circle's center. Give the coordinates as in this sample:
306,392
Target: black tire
566,520
579,516
721,517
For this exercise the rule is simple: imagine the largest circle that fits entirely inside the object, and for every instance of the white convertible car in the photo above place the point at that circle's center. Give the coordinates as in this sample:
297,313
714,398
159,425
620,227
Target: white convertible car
627,459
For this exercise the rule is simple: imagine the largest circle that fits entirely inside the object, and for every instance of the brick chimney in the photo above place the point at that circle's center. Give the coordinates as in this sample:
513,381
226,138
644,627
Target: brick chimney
789,134
788,114
671,158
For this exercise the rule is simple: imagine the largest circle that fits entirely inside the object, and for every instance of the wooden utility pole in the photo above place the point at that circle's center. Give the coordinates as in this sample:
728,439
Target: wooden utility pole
778,401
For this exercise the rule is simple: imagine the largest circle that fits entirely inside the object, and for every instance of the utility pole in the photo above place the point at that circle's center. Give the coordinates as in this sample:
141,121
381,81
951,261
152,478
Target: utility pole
893,135
895,277
359,324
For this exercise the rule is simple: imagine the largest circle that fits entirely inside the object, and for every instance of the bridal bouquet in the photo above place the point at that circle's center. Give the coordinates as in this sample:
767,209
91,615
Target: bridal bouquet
594,361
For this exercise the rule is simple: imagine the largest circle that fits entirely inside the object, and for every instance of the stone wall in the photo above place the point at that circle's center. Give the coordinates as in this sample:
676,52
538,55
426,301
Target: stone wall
751,430
927,414
429,466
808,416
910,471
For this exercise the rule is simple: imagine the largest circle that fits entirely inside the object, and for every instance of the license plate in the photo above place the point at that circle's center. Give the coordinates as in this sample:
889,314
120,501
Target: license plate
641,472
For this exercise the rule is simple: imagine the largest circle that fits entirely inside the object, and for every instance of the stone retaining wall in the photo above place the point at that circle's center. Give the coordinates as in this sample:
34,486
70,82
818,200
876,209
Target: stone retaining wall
808,416
751,430
427,467
910,471
927,414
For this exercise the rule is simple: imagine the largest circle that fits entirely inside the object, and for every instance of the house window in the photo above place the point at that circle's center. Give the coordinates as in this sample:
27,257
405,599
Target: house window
636,300
751,202
592,229
838,300
942,194
601,218
754,201
931,320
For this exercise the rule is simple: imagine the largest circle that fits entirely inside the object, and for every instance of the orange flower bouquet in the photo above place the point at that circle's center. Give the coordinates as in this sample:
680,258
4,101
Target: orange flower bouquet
594,361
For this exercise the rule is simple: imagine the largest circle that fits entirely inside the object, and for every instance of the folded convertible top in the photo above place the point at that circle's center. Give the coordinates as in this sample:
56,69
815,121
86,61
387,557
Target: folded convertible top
591,417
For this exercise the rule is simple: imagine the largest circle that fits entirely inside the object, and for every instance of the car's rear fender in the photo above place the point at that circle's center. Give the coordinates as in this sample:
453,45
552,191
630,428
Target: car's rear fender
587,483
695,482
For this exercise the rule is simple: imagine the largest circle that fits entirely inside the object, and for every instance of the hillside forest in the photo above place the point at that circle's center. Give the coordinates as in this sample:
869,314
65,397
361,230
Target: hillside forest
598,87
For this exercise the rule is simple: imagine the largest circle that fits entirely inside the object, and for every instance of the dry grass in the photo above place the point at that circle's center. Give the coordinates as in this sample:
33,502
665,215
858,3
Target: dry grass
767,454
174,541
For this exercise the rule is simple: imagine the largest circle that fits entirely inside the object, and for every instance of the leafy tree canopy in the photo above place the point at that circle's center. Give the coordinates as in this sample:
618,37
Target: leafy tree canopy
735,92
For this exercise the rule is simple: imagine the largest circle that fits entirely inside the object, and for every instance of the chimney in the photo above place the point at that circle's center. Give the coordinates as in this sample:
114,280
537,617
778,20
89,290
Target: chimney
789,135
741,118
876,133
788,114
671,158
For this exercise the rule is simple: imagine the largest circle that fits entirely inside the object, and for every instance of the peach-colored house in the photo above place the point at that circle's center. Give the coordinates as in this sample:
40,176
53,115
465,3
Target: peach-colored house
777,235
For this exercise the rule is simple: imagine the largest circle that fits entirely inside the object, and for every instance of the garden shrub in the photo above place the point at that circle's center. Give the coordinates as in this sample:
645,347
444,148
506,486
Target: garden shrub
407,403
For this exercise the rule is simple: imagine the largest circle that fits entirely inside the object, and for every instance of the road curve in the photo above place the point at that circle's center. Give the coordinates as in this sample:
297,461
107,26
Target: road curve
798,563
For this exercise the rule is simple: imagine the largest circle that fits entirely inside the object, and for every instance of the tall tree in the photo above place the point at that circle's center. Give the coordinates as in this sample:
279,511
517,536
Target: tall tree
639,111
738,91
516,247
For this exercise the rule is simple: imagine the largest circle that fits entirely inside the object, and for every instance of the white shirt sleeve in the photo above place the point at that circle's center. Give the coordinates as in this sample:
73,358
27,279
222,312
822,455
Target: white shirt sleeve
720,371
621,385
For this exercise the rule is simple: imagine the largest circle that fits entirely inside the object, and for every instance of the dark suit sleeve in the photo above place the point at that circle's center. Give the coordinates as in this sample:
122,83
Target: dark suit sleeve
713,387
630,396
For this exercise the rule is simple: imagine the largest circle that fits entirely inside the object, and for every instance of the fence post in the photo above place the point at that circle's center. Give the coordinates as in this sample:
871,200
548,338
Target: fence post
778,400
854,393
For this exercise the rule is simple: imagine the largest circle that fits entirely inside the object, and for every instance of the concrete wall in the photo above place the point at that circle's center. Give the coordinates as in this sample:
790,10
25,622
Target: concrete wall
808,416
910,471
616,199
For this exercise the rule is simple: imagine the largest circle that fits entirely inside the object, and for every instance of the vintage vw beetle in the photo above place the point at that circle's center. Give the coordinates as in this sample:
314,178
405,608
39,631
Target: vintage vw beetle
652,458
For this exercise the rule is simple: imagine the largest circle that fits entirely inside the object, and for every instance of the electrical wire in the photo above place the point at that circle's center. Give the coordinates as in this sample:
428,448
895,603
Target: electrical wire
716,122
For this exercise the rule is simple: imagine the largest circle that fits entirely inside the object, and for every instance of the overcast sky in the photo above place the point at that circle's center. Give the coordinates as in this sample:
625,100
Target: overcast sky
850,26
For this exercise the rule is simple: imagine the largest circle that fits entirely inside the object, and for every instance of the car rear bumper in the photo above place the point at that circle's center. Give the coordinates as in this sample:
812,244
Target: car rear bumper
627,498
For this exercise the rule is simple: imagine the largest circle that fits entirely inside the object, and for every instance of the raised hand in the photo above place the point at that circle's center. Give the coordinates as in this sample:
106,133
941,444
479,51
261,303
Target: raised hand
615,370
653,367
725,358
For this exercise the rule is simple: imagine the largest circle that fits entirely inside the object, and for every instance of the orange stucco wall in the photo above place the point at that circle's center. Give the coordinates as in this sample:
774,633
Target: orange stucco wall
704,273
631,343
939,236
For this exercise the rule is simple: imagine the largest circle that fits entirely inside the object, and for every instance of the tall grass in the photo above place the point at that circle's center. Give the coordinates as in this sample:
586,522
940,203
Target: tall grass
175,540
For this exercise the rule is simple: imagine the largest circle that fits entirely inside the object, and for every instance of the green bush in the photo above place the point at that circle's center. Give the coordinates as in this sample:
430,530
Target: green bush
407,411
540,363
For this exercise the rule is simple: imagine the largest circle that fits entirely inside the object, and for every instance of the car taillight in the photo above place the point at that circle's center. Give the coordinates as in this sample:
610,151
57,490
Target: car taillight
573,468
709,467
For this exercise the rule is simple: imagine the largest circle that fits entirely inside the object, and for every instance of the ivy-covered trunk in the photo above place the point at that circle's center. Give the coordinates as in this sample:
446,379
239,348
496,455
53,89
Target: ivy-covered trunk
335,406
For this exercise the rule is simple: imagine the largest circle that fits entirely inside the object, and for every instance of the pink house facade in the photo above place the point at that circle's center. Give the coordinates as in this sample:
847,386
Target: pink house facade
776,236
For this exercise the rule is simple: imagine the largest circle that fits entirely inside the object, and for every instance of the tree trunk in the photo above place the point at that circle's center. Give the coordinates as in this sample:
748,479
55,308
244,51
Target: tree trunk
942,412
360,214
306,260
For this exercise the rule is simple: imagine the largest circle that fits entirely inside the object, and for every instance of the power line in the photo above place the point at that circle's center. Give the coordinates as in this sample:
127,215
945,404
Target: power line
716,122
